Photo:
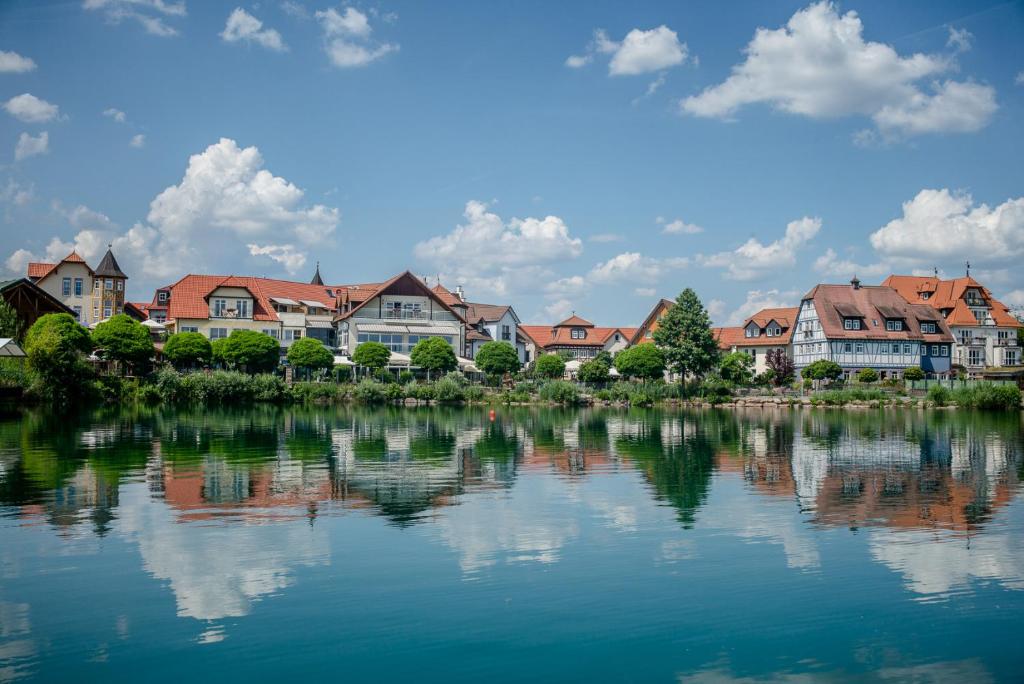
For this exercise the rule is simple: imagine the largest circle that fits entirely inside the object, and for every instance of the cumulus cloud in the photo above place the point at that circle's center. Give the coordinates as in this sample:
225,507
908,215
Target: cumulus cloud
761,299
150,14
29,146
940,224
644,291
960,40
243,27
558,310
115,114
753,260
16,194
347,38
138,141
633,267
640,52
496,256
678,227
225,205
30,109
831,264
13,63
820,66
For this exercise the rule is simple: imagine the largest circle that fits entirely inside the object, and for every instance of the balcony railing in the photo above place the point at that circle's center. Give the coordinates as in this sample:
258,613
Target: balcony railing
1006,342
393,315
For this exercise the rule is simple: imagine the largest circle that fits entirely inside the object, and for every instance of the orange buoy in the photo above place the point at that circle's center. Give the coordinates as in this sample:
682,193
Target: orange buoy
492,414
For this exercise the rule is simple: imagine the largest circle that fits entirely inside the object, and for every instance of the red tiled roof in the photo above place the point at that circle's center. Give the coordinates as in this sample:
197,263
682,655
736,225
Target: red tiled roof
74,257
785,317
948,297
727,337
446,295
575,321
38,269
487,312
545,336
869,301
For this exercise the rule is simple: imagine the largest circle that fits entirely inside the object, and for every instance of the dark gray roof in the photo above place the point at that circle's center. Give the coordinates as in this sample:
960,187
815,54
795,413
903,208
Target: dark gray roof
109,267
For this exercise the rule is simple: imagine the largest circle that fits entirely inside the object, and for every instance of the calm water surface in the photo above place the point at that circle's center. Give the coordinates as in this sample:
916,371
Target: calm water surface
438,545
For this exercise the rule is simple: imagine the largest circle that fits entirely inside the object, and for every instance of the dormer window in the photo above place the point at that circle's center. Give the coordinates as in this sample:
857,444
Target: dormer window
926,295
928,327
851,323
161,297
578,334
894,325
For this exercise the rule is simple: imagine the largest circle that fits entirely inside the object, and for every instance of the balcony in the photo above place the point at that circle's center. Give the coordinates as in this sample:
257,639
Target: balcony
1006,342
393,315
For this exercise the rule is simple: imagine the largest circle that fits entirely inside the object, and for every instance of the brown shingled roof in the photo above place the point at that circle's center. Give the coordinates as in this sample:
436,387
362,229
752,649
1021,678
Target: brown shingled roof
869,301
947,296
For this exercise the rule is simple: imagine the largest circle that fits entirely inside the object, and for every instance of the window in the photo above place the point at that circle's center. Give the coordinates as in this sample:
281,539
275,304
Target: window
189,328
120,286
851,323
298,334
926,295
847,347
935,350
96,284
218,333
974,357
778,331
270,331
578,333
95,311
506,332
860,347
770,332
66,287
79,284
109,284
159,316
106,311
242,306
161,297
894,325
945,350
907,349
78,312
749,332
219,306
1003,334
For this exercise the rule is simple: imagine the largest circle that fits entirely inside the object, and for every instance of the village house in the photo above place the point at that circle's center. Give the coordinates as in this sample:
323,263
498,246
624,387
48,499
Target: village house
766,330
93,295
486,323
870,326
984,330
645,333
577,336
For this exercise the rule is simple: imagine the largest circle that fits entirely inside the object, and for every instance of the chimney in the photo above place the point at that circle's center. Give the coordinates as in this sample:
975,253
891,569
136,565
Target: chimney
460,293
855,283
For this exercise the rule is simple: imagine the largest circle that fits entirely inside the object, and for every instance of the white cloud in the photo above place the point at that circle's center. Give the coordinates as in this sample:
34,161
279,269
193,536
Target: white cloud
762,299
295,9
244,27
17,194
678,227
138,140
644,291
115,114
13,63
1019,80
640,52
571,285
753,260
1015,300
495,256
225,202
558,310
150,14
606,237
29,146
820,66
959,40
635,268
830,264
347,38
716,310
286,255
30,109
939,224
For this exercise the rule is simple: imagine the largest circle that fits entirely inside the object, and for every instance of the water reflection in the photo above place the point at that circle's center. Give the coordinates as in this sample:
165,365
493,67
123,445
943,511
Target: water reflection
227,508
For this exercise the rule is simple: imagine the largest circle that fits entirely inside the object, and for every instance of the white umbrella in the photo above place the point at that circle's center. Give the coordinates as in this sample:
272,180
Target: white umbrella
343,361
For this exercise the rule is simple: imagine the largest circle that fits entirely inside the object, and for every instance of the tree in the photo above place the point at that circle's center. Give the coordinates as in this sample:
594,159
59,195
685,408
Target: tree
372,355
823,369
188,350
594,371
124,339
780,363
867,375
605,356
251,351
913,373
310,353
434,354
55,346
11,324
645,361
549,366
684,335
737,368
497,358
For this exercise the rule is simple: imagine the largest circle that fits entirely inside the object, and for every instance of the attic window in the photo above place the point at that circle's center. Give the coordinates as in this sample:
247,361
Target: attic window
851,323
927,327
578,334
926,295
894,325
161,296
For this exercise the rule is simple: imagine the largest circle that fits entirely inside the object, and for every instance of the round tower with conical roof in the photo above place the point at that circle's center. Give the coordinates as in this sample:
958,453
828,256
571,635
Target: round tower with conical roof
109,286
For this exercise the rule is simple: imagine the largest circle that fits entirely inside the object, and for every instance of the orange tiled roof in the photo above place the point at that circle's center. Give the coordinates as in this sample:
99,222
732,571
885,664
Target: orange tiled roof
575,321
872,304
446,295
545,336
785,317
947,296
727,337
38,269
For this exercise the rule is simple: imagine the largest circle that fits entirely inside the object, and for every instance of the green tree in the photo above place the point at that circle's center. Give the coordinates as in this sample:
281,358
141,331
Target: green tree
497,358
56,346
684,334
248,350
310,353
549,366
593,372
372,355
644,361
11,324
188,350
781,365
822,369
1020,335
124,339
913,373
867,375
605,356
434,354
737,368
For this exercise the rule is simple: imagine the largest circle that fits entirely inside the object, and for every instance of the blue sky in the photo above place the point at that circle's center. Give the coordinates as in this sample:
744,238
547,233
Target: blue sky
557,156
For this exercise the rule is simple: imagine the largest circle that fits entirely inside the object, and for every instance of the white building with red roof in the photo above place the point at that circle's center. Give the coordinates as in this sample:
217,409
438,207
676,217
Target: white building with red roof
577,336
765,331
92,294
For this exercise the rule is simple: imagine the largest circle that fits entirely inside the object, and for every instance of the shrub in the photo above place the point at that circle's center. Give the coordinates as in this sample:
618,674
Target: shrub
313,392
422,391
476,393
342,373
188,349
393,392
988,396
13,373
310,353
603,395
914,373
56,346
449,389
559,392
168,382
368,391
822,369
781,365
594,371
644,361
497,358
124,339
371,355
248,350
384,375
268,387
550,366
149,394
405,377
737,368
867,375
939,395
715,390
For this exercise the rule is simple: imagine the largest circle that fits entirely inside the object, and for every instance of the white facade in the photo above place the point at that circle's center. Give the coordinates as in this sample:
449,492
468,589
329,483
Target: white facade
399,322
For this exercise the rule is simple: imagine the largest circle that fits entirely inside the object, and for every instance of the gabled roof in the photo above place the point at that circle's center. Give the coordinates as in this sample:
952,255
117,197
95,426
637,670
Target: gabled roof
545,336
487,312
785,317
728,337
108,266
870,301
574,321
663,304
947,296
409,279
30,299
447,296
37,270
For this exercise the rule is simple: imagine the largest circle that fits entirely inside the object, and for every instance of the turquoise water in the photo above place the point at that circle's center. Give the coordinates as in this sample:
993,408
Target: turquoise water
441,545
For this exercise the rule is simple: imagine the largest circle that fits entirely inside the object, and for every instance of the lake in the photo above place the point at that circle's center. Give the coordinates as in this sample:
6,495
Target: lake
444,544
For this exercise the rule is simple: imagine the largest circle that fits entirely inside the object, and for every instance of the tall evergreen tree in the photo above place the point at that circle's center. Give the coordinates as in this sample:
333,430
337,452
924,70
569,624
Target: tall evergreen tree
684,334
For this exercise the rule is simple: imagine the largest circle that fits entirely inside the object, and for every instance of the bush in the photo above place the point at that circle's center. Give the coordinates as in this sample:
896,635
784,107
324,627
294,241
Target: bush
393,392
867,376
822,369
914,373
559,392
737,368
845,396
313,392
268,387
497,358
384,375
550,366
188,349
939,395
644,361
476,393
56,346
149,394
715,390
988,396
422,391
405,377
449,389
343,373
368,391
248,350
603,395
13,373
593,372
